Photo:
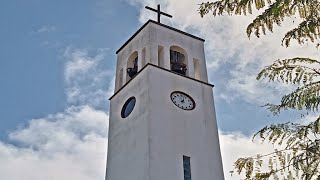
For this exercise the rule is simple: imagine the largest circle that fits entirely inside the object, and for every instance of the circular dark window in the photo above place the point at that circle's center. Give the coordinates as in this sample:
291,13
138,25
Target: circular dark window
128,107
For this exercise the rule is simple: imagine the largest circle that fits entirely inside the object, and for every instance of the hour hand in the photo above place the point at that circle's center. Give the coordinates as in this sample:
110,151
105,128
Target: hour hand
182,99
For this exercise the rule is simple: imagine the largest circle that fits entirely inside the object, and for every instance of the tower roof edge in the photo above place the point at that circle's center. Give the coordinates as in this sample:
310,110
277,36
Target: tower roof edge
160,24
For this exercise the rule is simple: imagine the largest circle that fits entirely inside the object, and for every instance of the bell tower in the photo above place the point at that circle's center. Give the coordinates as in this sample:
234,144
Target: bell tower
162,118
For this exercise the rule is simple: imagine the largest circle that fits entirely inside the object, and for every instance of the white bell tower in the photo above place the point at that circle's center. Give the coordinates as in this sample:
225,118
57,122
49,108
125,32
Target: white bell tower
162,118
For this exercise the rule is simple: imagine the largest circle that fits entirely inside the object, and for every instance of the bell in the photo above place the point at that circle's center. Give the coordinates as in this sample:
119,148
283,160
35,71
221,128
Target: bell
179,68
132,71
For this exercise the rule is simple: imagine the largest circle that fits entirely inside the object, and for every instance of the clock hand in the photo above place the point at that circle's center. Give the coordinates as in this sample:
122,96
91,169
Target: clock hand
181,98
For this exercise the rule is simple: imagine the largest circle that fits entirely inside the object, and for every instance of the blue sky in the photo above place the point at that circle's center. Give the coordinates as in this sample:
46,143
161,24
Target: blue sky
57,66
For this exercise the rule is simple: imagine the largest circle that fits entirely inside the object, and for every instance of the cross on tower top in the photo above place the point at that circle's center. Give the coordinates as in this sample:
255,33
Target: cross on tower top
159,12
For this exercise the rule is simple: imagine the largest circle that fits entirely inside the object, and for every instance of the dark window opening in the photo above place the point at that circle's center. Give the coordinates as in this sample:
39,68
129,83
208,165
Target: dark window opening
132,71
128,107
186,168
176,62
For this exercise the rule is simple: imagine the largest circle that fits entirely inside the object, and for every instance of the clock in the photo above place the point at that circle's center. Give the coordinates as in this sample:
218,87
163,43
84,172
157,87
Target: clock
182,100
128,107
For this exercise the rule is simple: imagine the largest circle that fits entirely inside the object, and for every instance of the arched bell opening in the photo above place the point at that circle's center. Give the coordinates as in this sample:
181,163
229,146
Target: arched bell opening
178,60
132,65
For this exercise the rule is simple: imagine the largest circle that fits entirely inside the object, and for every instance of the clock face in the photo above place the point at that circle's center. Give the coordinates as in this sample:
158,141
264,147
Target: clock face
182,100
128,107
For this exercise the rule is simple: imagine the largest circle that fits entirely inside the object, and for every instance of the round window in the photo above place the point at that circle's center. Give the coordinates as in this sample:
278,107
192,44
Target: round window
128,107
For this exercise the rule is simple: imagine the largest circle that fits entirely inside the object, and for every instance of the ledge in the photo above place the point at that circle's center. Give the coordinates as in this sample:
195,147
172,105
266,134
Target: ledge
161,69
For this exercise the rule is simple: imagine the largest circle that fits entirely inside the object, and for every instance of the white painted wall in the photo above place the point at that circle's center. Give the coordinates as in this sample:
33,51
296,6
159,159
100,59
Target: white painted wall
150,142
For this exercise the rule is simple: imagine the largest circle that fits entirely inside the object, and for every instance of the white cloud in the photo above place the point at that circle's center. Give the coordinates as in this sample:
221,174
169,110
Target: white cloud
235,145
68,145
46,29
78,62
86,76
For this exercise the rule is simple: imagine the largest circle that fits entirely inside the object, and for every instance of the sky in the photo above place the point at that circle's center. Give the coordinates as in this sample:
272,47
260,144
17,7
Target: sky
57,66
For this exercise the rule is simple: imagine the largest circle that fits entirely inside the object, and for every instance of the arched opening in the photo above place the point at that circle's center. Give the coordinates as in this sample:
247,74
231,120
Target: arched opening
196,66
132,65
178,60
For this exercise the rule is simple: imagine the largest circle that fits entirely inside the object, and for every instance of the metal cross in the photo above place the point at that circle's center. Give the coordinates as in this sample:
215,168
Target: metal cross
159,12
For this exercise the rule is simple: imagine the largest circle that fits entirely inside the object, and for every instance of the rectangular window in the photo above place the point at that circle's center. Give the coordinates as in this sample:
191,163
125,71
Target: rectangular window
186,168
